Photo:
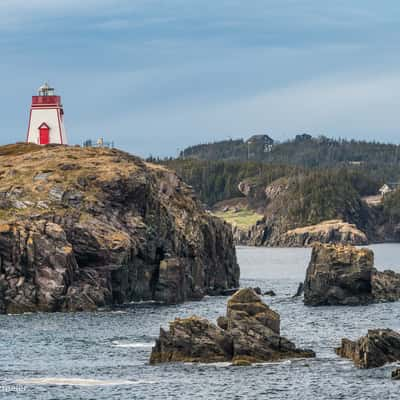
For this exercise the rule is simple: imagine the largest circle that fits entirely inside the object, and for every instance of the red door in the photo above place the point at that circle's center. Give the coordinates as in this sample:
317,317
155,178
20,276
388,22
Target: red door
44,134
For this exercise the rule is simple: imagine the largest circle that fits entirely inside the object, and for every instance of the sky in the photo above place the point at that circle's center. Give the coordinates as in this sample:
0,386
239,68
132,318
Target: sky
155,76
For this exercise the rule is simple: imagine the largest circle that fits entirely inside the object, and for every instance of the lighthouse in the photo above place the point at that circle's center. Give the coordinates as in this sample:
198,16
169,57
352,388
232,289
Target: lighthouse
46,120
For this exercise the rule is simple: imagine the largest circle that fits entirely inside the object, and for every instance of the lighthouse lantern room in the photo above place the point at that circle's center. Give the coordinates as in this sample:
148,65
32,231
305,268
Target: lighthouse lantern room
46,120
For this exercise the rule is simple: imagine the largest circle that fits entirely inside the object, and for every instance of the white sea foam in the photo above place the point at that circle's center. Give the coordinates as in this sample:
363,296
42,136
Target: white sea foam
117,343
213,364
78,382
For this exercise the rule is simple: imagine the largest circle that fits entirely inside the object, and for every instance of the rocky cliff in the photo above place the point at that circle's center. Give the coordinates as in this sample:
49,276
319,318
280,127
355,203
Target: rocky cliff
333,231
88,227
250,332
292,216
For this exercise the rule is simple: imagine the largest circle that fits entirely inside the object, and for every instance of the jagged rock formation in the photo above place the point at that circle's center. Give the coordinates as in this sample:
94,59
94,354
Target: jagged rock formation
385,286
345,275
377,348
82,228
333,231
250,332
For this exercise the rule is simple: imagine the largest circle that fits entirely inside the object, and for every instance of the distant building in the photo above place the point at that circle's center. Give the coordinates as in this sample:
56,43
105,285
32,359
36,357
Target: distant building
356,163
303,137
98,143
388,188
263,141
46,119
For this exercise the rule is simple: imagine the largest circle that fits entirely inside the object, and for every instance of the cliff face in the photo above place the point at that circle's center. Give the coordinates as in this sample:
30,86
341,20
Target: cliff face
296,217
333,231
82,228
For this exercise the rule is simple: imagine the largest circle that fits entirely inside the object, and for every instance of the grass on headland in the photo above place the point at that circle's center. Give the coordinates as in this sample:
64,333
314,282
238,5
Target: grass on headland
243,218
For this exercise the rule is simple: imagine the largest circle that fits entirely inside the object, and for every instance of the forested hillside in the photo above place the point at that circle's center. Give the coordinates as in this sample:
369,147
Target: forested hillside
214,181
297,183
303,150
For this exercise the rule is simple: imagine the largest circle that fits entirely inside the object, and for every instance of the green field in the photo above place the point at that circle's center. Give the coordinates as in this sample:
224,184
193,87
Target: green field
243,218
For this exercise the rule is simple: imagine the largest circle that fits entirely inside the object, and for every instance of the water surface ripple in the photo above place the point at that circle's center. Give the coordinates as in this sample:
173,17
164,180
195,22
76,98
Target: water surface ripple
104,355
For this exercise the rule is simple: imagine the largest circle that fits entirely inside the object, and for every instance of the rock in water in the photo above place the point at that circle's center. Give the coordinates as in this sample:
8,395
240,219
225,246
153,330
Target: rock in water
344,275
377,348
396,374
250,332
385,286
339,274
192,340
300,290
102,227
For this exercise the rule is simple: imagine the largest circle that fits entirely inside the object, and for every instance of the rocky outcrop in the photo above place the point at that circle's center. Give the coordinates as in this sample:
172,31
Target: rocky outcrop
250,332
396,374
294,218
345,275
377,348
385,286
82,228
339,274
192,339
264,233
300,290
333,231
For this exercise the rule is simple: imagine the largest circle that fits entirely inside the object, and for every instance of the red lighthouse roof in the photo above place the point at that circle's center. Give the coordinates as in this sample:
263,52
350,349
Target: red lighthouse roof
46,97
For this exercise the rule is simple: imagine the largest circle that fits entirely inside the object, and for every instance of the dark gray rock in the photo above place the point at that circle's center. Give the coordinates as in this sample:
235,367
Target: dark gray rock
396,374
250,332
385,286
300,290
377,348
106,234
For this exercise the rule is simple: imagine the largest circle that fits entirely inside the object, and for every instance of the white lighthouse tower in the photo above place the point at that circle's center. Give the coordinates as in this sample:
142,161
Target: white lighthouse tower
46,120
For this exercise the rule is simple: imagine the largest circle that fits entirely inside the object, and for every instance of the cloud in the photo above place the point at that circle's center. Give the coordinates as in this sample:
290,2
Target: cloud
342,106
23,14
158,75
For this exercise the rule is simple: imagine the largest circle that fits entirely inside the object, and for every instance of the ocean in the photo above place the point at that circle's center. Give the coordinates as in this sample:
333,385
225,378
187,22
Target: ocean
104,354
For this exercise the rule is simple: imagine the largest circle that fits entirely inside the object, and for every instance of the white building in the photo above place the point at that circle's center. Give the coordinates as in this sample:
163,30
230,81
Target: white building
388,188
46,120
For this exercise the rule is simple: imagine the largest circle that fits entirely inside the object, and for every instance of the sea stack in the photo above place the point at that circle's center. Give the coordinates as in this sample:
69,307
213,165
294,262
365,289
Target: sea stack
339,274
345,275
250,332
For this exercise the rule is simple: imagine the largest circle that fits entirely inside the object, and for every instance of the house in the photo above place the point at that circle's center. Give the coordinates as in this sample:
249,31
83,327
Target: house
356,163
388,188
264,141
303,137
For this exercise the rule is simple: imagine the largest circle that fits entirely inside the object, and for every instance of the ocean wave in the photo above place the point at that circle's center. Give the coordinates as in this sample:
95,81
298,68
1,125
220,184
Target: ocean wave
79,382
117,343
